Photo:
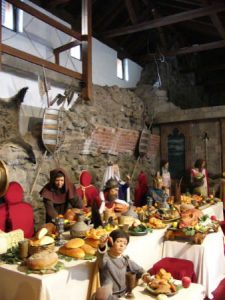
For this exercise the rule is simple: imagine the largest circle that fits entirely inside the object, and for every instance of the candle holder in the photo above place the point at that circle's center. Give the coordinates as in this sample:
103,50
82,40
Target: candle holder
59,223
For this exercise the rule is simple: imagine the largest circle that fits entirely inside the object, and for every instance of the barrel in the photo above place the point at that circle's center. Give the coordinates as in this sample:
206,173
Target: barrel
52,129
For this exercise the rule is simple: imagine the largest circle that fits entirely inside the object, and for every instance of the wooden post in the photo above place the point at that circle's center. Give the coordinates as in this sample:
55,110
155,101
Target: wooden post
87,48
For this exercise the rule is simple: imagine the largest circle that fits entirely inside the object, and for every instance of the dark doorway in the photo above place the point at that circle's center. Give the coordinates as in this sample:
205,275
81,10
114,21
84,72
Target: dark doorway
176,154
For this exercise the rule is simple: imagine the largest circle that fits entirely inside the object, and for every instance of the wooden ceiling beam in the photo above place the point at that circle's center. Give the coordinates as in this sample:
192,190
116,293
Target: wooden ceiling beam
169,5
162,37
188,2
218,24
54,3
168,20
131,11
216,21
197,27
186,50
106,18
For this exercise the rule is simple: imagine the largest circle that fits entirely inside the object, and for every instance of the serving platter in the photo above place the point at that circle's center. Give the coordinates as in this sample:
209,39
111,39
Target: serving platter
170,220
141,233
154,292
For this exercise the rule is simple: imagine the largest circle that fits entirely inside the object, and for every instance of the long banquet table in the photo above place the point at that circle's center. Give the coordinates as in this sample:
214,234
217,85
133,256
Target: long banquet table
195,292
208,258
73,281
69,283
216,210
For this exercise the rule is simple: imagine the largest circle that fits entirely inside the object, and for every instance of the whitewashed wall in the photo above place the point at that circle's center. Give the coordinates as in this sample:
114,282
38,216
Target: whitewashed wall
40,39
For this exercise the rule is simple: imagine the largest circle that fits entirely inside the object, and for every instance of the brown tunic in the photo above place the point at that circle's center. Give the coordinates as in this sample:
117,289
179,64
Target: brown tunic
56,200
113,271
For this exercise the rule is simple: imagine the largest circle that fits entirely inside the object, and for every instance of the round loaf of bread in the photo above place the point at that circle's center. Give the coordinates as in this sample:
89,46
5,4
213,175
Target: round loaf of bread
74,243
88,249
42,260
75,253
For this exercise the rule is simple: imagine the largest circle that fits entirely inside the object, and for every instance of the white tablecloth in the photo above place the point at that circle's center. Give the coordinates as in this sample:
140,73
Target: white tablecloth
69,284
194,292
215,210
73,281
208,258
146,250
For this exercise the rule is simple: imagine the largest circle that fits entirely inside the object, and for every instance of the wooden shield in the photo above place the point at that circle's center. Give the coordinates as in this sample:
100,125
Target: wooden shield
144,142
53,129
4,178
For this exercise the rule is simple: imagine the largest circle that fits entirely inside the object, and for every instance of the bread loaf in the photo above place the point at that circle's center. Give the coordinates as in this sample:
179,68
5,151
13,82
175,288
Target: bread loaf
41,233
74,243
92,242
46,240
88,249
42,260
75,253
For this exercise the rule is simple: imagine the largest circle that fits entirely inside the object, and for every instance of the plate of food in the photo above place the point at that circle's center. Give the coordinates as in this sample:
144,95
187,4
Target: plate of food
163,289
137,229
156,223
161,283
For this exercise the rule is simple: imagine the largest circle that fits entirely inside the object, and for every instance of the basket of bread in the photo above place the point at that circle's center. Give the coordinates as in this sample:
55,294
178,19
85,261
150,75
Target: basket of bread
161,283
41,242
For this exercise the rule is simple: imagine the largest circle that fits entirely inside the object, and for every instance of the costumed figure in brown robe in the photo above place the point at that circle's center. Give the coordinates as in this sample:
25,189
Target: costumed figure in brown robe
59,194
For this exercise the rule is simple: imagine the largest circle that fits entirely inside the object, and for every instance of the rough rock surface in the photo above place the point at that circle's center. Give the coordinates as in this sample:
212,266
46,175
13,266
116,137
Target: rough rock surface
111,107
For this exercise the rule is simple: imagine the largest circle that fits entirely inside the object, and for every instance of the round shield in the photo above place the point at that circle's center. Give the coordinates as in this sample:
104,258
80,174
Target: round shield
4,178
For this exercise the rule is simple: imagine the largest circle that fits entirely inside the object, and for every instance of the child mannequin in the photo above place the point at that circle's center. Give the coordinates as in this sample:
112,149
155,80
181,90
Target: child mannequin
113,265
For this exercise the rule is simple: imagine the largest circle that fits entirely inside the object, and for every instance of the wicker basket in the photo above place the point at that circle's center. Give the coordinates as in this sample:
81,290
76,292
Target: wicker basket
36,249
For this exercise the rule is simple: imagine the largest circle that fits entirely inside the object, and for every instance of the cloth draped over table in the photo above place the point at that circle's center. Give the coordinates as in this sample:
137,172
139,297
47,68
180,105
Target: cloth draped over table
94,282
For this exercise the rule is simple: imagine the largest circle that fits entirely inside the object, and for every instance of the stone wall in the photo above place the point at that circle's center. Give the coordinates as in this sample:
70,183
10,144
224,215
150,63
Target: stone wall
107,129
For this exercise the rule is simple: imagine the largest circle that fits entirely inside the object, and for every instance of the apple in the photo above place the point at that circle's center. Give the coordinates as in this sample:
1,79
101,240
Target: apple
186,281
213,218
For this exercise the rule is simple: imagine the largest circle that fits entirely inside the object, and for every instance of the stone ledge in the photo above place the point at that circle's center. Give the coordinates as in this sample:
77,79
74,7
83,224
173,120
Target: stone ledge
214,112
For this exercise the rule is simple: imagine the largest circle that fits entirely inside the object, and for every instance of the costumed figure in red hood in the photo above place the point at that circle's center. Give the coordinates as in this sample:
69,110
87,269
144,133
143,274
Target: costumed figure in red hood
141,190
59,194
88,192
